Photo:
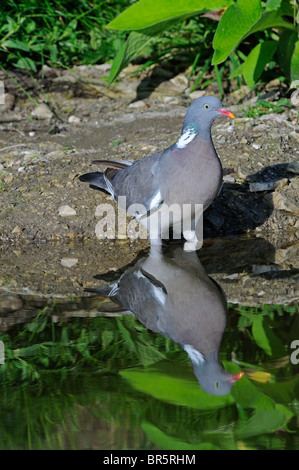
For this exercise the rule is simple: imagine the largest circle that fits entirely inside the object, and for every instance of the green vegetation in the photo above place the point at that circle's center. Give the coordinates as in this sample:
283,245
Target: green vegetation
62,34
265,107
115,143
3,186
57,33
267,33
114,371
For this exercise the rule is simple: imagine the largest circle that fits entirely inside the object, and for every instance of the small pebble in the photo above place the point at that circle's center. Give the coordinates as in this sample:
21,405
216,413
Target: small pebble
66,211
69,262
261,293
257,187
42,112
197,94
137,104
229,179
17,229
293,167
232,276
171,100
73,120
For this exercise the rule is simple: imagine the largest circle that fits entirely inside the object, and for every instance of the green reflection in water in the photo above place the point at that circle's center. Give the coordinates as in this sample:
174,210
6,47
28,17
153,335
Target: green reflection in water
108,383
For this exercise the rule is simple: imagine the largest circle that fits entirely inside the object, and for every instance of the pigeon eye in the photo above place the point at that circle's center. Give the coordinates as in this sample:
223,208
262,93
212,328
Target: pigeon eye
206,106
216,385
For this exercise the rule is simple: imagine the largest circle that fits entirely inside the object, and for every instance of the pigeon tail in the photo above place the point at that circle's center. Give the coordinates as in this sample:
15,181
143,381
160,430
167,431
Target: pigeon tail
113,163
96,180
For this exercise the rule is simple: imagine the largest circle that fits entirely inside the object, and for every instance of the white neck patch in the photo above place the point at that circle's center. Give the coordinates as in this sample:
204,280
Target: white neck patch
195,356
187,136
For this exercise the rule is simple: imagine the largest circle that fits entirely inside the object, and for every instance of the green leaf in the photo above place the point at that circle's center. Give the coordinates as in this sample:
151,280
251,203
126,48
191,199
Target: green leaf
263,422
30,26
25,63
53,52
134,45
273,4
115,143
15,44
174,389
294,67
284,102
37,325
157,15
247,395
271,19
126,335
283,392
256,61
165,442
245,14
148,354
107,338
64,336
266,338
286,47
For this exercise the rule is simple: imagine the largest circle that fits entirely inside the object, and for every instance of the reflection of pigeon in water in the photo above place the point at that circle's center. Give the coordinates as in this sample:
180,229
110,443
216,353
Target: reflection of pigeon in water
172,294
188,173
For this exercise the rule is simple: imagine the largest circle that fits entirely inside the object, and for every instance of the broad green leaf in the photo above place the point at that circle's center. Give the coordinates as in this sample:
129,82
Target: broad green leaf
271,19
157,15
173,389
281,391
248,395
265,337
134,45
287,7
256,61
294,68
284,409
286,47
273,4
244,14
239,71
165,442
263,422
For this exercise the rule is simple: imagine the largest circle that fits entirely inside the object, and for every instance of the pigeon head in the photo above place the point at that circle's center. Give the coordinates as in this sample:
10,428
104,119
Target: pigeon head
214,380
211,376
201,115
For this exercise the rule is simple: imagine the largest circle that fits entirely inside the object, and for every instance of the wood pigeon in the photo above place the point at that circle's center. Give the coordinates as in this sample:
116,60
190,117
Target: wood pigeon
173,187
172,294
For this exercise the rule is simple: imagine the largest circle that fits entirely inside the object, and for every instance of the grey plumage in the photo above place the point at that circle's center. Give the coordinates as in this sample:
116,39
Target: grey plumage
172,295
187,172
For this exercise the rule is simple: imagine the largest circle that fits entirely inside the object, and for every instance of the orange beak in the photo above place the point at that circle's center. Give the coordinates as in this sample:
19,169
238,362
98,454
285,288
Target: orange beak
226,113
235,377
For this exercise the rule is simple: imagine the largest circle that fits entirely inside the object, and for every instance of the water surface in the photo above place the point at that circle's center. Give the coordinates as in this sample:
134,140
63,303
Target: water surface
81,371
